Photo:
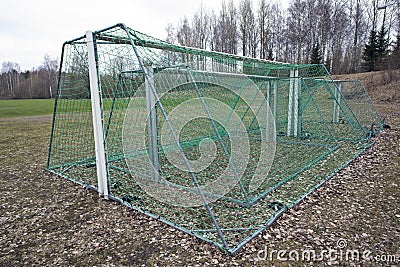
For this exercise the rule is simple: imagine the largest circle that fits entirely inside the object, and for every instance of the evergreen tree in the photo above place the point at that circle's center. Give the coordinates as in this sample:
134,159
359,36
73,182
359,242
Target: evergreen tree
382,48
270,55
376,50
316,56
370,53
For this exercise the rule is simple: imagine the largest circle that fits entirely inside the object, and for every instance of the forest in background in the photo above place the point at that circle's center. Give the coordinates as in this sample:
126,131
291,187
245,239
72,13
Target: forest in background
348,36
40,82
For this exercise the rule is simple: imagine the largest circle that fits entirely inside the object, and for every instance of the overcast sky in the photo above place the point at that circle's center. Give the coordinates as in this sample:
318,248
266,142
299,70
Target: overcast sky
29,29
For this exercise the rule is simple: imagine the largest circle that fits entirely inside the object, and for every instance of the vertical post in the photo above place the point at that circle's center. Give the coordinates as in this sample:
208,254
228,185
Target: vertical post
275,100
296,106
339,93
268,102
290,106
152,123
293,107
97,118
336,102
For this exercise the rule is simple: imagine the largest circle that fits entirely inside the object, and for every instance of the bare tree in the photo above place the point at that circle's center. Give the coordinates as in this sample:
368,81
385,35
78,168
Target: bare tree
224,29
200,28
214,30
324,12
278,28
184,34
356,11
253,36
395,56
339,33
171,36
372,12
340,27
50,67
264,24
11,74
297,30
246,21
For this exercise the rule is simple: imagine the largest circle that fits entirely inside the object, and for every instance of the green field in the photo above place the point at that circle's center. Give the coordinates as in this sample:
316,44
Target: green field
26,107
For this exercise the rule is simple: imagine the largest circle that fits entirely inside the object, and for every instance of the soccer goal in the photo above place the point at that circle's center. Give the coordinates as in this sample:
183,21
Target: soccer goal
216,145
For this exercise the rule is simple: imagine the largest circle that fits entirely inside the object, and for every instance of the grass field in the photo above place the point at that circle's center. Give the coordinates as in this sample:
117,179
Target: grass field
26,107
48,221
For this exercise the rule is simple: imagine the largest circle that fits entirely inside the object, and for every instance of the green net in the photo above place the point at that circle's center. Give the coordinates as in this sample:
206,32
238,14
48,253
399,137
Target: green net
216,145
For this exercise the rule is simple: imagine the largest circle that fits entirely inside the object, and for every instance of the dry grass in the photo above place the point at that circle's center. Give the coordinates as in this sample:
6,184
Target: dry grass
46,220
382,86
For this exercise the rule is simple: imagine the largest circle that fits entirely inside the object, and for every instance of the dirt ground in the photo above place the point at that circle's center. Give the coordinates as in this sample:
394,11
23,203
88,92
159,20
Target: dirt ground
48,221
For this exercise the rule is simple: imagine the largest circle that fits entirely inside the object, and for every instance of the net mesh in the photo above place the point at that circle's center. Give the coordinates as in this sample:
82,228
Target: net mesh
216,145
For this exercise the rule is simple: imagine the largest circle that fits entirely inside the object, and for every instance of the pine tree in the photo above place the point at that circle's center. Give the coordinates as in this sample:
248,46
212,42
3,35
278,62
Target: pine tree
370,53
270,55
383,44
376,49
316,57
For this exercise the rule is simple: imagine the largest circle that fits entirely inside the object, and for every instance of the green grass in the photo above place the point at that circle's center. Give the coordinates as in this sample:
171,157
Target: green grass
26,107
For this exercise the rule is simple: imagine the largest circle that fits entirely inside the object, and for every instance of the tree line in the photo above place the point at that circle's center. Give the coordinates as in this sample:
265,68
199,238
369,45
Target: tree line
348,36
39,82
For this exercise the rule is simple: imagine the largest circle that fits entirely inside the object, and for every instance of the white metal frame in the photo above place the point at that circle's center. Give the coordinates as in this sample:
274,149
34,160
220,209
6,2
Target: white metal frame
336,103
98,130
274,86
275,101
294,120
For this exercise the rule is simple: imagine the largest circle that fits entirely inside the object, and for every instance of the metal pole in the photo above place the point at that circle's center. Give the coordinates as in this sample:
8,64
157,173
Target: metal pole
290,106
152,123
339,93
97,118
296,97
268,104
298,104
334,104
275,100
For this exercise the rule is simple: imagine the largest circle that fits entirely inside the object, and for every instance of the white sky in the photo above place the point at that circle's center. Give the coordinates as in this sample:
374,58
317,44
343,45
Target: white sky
29,29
